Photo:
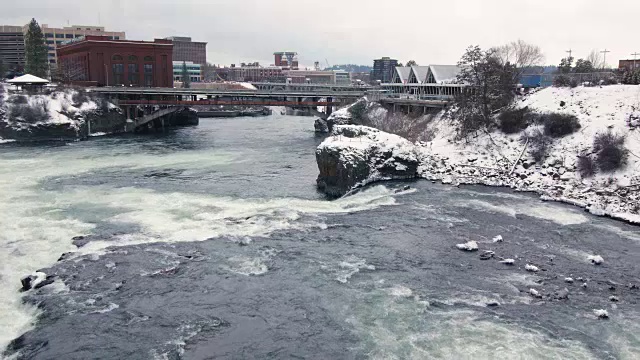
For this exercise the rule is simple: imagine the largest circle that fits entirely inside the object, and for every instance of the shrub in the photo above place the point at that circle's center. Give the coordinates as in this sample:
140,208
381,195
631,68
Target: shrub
562,81
586,165
17,99
515,120
611,154
79,97
539,144
30,113
559,125
357,110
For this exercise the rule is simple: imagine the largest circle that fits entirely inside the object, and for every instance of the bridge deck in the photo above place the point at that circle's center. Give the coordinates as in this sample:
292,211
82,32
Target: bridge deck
226,93
262,102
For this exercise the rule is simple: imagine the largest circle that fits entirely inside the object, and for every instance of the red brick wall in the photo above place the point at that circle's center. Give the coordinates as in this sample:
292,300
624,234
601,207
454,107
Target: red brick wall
100,59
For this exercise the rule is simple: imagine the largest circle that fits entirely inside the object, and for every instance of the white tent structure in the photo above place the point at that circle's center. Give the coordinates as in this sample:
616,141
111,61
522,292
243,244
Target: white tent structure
28,79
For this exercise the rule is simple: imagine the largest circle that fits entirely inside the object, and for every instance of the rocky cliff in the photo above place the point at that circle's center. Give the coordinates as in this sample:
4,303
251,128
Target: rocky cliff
354,156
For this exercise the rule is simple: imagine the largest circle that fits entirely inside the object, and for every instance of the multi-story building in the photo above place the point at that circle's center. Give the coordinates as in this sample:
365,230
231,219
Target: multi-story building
629,64
286,59
12,47
55,37
103,61
255,73
383,69
186,50
194,70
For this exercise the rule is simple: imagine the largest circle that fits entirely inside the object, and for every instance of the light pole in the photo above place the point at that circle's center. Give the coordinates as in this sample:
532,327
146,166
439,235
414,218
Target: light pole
106,75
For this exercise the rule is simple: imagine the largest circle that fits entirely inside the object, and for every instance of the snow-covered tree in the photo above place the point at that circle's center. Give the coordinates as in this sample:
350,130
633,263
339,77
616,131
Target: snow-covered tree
491,85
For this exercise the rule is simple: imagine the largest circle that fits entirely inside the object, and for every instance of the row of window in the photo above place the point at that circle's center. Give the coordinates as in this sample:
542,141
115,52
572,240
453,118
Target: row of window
133,74
71,36
132,58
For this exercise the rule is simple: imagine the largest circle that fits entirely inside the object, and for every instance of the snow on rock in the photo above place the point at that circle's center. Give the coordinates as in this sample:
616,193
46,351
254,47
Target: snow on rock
489,158
531,268
354,156
498,239
601,313
58,113
535,293
568,280
595,259
468,246
508,261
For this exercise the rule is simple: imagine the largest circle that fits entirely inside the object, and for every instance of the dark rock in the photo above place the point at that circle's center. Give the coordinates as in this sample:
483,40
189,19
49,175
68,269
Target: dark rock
49,280
493,304
487,255
80,241
64,256
321,126
562,294
26,282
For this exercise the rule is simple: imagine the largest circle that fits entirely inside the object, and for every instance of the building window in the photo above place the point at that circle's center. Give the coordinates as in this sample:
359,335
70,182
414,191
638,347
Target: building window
48,35
78,35
148,58
118,74
116,37
69,36
133,58
134,76
50,42
116,58
148,74
59,36
52,61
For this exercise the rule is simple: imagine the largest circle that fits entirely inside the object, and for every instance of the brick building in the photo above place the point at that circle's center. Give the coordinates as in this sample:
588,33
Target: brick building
629,64
102,61
185,50
56,37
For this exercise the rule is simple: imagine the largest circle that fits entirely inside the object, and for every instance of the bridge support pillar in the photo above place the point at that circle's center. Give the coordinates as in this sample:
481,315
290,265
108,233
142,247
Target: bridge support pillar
329,108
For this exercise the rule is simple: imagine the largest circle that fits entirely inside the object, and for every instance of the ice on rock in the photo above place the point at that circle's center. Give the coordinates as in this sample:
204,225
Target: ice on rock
601,313
531,268
498,239
595,259
535,293
508,261
568,280
468,246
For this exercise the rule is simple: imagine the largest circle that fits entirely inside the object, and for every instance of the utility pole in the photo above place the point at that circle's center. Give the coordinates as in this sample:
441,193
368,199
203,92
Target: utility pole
605,51
634,60
570,52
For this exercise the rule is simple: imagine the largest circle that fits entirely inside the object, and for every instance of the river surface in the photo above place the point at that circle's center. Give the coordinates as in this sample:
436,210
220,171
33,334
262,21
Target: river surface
212,242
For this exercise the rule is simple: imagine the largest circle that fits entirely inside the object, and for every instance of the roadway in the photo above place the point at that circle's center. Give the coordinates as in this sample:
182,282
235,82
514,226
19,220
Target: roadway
321,93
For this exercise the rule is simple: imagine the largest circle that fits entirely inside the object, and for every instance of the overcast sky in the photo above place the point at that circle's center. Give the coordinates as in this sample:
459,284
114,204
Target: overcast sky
354,31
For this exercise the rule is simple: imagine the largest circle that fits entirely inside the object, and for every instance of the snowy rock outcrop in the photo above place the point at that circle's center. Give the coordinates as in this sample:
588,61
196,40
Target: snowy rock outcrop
59,114
321,126
354,156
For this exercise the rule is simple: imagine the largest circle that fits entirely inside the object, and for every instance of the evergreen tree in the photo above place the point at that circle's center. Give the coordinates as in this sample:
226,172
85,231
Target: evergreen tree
583,66
186,78
411,63
565,65
35,51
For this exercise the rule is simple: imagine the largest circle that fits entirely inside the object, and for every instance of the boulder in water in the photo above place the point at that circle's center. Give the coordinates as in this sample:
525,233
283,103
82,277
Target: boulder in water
321,126
354,156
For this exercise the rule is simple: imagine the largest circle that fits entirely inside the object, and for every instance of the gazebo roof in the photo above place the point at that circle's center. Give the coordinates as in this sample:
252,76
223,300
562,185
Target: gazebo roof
27,80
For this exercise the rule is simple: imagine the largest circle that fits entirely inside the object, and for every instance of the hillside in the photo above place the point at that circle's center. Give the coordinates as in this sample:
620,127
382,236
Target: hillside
488,158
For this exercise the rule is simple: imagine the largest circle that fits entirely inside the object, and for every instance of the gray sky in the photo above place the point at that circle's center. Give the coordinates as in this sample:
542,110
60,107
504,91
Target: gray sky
354,31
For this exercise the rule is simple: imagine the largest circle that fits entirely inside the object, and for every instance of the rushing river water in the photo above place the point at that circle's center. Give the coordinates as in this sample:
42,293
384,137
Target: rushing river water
212,242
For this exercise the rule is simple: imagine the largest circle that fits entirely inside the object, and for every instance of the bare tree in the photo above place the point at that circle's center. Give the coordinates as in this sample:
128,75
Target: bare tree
595,57
519,53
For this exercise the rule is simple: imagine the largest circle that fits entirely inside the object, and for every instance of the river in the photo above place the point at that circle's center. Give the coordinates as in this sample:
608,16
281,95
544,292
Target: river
212,242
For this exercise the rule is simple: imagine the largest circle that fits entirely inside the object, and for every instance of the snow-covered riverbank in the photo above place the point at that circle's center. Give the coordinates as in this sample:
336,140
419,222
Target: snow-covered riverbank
498,159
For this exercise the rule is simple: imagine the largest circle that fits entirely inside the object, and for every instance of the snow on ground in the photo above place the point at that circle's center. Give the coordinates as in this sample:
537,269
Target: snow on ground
488,159
57,104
